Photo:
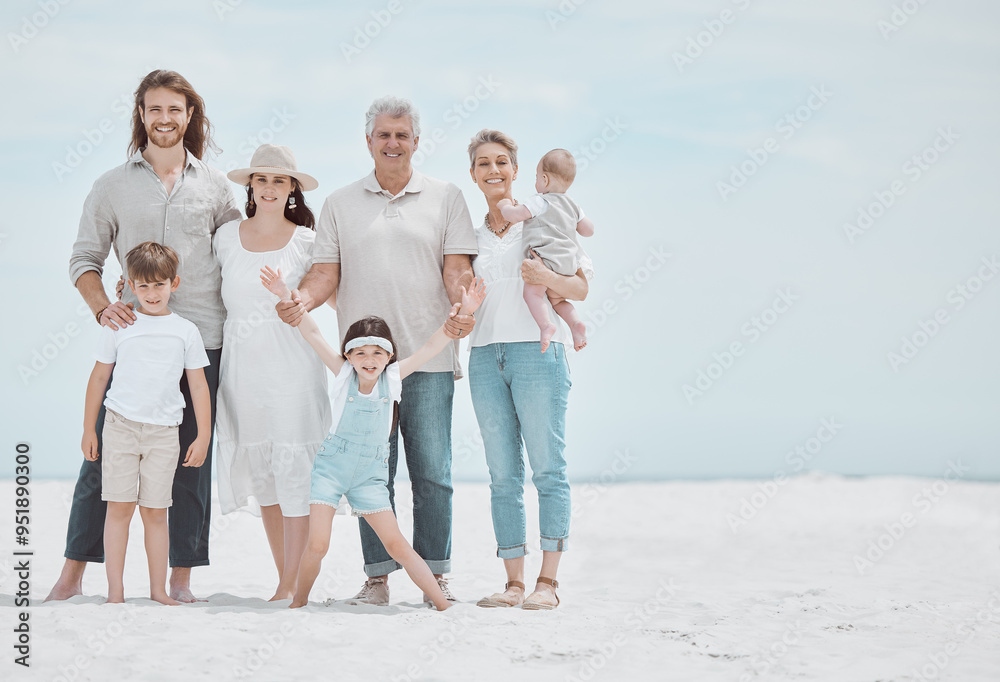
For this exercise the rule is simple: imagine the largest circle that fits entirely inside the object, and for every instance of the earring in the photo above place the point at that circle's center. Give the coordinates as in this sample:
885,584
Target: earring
250,199
291,202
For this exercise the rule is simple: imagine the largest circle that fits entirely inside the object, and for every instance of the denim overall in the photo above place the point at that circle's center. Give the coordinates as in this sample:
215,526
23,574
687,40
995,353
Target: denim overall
354,458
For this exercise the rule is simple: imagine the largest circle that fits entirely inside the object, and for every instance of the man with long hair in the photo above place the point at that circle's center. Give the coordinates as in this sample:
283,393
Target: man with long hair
164,193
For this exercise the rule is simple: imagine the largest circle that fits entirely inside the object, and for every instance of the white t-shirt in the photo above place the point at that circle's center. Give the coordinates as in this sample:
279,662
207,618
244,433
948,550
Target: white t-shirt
341,384
150,357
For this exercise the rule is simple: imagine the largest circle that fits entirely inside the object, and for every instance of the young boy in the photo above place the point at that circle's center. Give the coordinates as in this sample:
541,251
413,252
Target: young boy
144,406
551,223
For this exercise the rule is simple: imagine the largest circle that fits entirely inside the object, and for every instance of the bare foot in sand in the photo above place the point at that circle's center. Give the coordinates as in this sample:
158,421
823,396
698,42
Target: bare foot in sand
115,597
183,595
296,604
70,582
180,586
281,594
164,599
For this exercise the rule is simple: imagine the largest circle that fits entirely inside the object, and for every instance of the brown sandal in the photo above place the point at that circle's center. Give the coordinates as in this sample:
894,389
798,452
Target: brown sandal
538,605
501,600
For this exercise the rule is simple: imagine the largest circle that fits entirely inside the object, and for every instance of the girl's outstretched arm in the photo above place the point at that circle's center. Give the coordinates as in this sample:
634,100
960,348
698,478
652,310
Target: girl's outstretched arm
330,356
471,300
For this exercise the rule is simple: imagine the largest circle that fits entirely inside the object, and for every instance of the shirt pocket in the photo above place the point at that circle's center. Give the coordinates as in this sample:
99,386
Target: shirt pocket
198,217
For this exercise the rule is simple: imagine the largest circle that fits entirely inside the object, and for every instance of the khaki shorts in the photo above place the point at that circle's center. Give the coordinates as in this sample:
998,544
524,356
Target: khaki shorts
138,462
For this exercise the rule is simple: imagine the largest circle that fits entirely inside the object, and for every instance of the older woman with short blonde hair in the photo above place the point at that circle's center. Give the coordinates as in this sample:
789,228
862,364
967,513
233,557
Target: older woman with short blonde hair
519,393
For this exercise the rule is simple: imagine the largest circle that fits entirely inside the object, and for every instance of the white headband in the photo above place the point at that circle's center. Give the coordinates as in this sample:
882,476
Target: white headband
368,341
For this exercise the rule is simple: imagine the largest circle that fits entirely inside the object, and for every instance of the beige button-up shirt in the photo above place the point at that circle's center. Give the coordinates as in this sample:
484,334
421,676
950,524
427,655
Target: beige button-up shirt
129,205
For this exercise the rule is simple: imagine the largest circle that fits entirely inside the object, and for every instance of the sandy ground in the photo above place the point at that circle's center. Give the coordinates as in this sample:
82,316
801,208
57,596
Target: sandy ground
817,578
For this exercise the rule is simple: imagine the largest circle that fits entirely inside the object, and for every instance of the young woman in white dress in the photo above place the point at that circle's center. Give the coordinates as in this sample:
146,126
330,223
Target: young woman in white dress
273,408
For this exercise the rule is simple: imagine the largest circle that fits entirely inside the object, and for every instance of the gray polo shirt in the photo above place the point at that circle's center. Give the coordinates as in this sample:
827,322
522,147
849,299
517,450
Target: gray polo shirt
391,252
129,205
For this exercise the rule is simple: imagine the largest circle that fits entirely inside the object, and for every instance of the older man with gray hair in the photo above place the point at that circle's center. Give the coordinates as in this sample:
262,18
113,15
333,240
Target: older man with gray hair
398,244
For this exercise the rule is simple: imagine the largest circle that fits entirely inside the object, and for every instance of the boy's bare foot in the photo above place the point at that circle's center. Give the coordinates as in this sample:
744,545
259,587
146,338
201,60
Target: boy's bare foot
547,334
180,585
70,582
579,335
164,599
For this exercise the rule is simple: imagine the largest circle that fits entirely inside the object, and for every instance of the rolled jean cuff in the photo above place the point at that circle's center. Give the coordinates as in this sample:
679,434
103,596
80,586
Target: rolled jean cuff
512,552
439,567
73,556
193,563
381,568
555,545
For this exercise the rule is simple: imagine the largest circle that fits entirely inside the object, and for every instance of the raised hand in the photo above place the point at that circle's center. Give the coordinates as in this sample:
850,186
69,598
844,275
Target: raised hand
273,282
473,297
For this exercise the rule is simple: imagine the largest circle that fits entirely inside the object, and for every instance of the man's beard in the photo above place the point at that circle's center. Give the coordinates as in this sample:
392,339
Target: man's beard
165,140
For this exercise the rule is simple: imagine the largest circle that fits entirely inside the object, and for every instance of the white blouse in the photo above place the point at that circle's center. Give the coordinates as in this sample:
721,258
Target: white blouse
504,316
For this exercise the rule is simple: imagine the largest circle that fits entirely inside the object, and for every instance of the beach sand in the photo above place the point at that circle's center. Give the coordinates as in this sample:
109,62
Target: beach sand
814,578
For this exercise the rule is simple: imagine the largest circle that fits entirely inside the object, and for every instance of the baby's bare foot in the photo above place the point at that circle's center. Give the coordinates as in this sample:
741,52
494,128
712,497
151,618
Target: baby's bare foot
547,334
579,335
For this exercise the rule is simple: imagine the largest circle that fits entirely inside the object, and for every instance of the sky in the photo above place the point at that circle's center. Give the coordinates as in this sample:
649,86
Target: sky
796,231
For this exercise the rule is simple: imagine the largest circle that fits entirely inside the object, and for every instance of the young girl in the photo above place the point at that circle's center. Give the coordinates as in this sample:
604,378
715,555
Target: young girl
354,458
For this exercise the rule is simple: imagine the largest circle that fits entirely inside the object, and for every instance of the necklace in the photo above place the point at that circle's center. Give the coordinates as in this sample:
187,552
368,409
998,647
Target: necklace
502,229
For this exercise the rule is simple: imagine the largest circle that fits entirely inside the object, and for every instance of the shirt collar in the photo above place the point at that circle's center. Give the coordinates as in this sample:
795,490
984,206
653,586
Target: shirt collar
190,160
415,184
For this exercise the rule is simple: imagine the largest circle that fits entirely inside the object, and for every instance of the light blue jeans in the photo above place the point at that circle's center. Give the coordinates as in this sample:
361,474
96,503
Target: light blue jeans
520,395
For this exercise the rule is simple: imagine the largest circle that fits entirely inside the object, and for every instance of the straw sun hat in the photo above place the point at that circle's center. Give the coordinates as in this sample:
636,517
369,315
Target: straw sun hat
276,159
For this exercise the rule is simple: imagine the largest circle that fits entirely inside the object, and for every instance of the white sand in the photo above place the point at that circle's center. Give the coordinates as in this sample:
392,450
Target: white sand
673,594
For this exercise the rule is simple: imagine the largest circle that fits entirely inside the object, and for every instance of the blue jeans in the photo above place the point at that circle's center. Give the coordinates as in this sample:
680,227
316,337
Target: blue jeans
520,394
190,516
425,425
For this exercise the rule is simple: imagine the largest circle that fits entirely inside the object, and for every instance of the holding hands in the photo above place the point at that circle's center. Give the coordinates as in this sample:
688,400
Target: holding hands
473,297
460,318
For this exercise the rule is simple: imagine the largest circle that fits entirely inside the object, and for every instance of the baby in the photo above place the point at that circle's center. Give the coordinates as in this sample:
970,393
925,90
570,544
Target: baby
551,223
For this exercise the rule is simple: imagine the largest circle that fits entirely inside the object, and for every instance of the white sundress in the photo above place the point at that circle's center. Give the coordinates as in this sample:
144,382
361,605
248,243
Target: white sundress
273,410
